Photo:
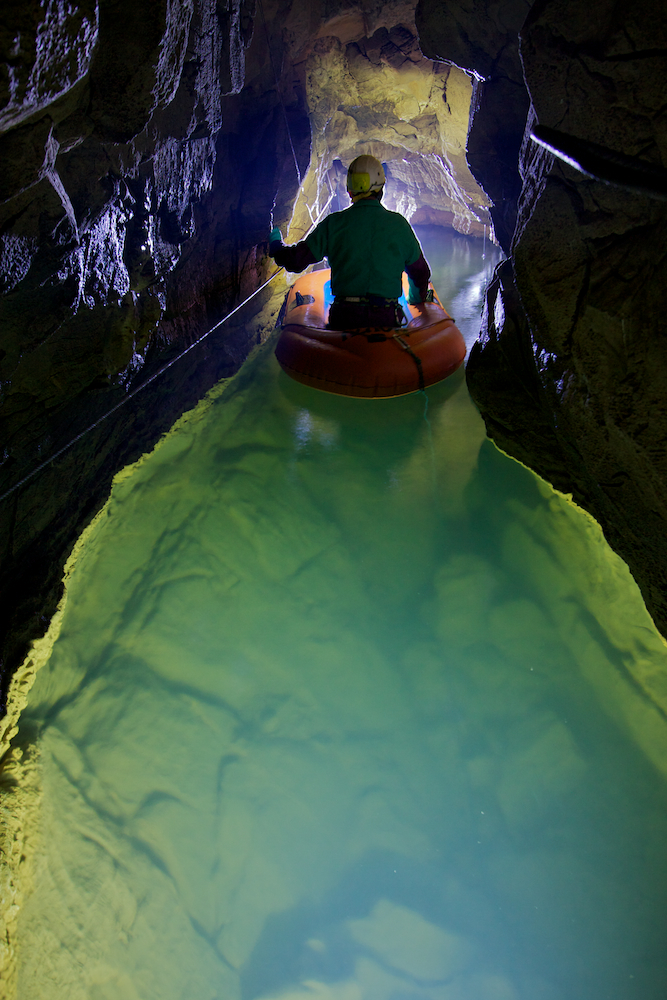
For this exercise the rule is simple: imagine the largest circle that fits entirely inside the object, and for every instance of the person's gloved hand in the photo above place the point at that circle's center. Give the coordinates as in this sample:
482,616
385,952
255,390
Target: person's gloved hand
275,241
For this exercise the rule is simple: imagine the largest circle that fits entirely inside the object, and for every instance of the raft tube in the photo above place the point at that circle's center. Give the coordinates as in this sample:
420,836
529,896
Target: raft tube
370,363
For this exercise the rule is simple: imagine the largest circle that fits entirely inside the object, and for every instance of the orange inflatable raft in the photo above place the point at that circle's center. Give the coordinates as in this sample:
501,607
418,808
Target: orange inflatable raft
369,363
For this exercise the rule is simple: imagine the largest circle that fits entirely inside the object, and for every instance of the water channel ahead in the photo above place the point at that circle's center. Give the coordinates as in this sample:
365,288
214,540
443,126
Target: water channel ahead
347,706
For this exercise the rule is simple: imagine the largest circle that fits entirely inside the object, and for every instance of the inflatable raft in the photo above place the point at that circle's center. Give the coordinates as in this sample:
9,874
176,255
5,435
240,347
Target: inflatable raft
368,363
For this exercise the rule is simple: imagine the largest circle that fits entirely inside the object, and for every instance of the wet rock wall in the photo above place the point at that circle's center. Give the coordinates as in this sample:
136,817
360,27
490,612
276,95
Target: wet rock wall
482,39
569,371
141,156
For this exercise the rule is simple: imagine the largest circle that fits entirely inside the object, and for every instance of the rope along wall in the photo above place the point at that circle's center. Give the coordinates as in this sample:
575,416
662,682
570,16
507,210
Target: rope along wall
91,427
134,392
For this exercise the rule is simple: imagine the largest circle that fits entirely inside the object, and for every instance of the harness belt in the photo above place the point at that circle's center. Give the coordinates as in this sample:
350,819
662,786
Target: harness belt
369,300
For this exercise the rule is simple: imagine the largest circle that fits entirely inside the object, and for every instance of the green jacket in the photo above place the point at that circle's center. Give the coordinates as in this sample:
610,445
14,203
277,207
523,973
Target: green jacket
368,248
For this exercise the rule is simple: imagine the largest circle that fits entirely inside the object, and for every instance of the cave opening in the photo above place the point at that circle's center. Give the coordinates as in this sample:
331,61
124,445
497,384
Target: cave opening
381,95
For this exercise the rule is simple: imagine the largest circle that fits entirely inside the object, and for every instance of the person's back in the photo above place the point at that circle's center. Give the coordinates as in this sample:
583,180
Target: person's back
368,248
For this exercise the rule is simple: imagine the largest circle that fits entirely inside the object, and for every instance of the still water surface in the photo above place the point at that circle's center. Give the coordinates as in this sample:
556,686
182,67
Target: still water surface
347,706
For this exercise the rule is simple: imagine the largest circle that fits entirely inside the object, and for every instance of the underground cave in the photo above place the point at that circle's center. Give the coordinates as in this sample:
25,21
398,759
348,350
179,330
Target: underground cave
279,745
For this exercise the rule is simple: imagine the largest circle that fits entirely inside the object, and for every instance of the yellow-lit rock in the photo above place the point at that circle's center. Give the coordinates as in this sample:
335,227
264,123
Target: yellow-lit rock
379,95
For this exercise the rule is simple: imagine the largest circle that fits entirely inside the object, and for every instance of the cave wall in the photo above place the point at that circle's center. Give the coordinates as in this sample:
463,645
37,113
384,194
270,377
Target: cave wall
482,39
141,156
145,155
569,371
597,309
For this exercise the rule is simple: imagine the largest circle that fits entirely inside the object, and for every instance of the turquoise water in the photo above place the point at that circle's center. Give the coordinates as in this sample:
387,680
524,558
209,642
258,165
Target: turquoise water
462,268
347,705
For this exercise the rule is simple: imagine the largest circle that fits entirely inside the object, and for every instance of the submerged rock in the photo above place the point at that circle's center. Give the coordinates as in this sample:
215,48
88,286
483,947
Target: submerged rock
405,941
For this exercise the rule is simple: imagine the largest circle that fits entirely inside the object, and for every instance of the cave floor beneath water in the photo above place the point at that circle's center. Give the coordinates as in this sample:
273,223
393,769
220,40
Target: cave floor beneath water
345,706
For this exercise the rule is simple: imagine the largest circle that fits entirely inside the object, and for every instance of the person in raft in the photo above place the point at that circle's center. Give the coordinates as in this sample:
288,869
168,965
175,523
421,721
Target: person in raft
368,248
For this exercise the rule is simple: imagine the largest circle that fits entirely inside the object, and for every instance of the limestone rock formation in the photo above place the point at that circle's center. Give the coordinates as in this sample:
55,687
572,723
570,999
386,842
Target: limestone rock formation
569,373
126,229
378,94
483,40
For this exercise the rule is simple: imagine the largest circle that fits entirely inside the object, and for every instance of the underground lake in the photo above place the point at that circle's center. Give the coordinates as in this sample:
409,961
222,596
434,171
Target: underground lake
346,705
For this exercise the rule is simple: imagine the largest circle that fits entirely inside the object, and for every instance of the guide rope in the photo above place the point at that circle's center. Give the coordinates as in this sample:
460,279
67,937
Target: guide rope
135,392
160,371
153,377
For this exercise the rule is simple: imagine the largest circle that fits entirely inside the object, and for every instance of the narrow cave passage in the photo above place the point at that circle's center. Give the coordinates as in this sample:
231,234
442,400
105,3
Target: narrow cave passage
345,705
380,95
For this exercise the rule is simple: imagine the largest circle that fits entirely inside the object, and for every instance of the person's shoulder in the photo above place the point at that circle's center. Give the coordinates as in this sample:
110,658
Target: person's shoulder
332,218
400,222
400,219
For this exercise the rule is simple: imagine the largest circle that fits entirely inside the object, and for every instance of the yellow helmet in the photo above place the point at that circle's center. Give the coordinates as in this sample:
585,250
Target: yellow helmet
365,176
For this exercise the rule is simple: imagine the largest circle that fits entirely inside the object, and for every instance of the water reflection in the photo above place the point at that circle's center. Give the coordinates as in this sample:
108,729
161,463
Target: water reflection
349,706
462,268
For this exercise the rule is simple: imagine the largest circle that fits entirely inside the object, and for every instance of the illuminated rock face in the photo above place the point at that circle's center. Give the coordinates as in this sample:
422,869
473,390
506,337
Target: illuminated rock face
379,95
569,374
